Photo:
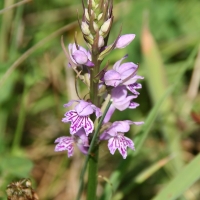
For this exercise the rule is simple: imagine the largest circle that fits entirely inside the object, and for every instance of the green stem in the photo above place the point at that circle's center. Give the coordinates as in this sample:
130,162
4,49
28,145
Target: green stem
92,174
88,157
94,154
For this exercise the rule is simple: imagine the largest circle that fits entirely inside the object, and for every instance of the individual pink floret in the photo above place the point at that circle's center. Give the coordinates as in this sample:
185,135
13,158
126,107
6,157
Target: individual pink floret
79,117
67,143
116,138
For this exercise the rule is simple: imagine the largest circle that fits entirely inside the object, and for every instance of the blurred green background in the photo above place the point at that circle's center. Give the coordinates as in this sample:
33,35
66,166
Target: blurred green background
35,82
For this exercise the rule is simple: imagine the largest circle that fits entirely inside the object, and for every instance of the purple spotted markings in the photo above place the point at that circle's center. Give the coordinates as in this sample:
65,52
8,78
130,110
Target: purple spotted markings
116,138
66,143
79,117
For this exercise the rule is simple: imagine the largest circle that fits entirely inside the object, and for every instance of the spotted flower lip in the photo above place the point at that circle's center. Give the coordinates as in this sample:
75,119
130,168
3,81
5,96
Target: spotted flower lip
124,74
116,138
80,56
67,143
133,87
79,117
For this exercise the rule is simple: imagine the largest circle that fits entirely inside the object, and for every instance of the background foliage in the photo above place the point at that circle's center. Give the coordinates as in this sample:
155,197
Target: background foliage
35,82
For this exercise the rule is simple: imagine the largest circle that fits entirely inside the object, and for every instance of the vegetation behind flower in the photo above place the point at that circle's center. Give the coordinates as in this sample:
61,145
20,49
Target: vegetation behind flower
32,95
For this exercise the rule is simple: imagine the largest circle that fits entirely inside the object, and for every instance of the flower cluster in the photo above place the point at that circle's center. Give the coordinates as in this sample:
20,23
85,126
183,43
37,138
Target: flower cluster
118,83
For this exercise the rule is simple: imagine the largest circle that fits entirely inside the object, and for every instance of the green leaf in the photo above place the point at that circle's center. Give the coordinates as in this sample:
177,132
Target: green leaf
190,173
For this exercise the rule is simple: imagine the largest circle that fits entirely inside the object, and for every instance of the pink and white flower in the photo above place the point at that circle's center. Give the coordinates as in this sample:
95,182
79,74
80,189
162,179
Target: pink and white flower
122,74
67,143
121,101
116,138
79,117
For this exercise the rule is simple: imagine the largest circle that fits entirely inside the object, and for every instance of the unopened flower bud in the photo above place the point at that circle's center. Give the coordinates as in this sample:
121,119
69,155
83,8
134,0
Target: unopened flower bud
99,16
105,26
93,3
95,26
87,14
101,42
124,40
85,28
87,79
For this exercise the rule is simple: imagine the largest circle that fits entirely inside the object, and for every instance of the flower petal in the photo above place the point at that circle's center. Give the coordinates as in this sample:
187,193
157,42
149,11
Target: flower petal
89,63
118,93
70,116
127,69
112,78
82,122
84,108
70,103
132,80
112,145
121,126
97,110
80,57
133,105
131,122
117,64
133,87
109,114
125,103
121,143
125,142
65,143
83,139
120,99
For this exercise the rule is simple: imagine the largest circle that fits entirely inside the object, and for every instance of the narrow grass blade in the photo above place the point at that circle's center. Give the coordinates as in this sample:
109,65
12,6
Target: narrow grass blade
187,176
145,174
139,140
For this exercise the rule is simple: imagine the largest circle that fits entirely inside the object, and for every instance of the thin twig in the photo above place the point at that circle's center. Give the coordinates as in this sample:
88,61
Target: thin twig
14,5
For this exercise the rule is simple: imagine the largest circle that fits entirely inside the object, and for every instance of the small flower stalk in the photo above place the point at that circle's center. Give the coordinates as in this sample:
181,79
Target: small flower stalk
90,123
